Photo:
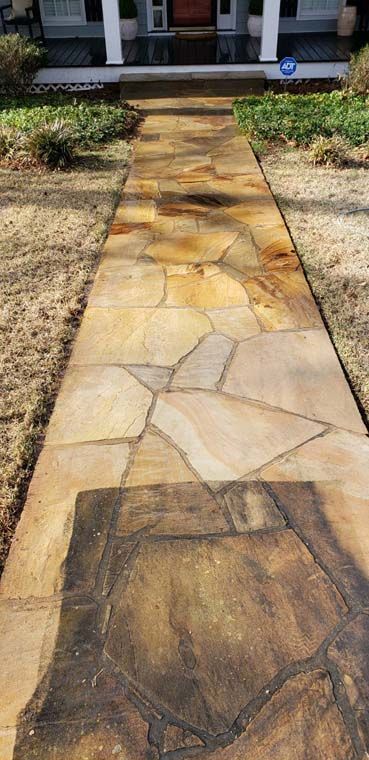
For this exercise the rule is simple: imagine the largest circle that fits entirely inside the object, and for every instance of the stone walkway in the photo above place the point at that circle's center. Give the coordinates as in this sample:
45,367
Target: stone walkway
190,574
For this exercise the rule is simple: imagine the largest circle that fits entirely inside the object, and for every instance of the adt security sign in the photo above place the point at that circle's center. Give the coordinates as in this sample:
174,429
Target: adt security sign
288,66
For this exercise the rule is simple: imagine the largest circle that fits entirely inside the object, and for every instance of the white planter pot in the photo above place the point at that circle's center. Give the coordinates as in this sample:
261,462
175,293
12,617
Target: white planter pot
346,21
128,28
254,25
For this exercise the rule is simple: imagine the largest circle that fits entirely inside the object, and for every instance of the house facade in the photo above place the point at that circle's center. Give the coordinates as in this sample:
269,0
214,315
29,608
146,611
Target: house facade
84,18
187,37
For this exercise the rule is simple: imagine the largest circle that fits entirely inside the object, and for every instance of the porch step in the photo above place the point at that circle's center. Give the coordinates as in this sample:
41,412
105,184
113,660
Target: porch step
192,96
178,75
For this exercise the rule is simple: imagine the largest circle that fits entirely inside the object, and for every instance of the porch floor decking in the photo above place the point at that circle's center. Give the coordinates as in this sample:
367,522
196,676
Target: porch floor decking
224,49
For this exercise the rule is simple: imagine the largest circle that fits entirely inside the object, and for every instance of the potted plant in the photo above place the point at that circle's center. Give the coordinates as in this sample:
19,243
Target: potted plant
128,19
255,19
347,18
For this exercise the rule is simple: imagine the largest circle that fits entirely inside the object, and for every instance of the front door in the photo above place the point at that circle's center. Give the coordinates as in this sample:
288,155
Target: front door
192,13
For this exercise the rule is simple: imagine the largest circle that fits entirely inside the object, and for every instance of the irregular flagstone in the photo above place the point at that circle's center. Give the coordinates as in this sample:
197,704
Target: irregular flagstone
177,738
349,651
217,221
125,733
200,636
154,377
28,635
138,336
183,206
65,716
227,158
301,722
324,489
276,248
235,146
242,255
7,741
256,212
252,508
203,368
36,562
203,172
241,187
180,248
283,301
135,212
151,167
141,188
156,461
204,286
185,225
298,372
140,285
124,248
127,567
98,403
225,438
238,323
149,149
174,509
119,553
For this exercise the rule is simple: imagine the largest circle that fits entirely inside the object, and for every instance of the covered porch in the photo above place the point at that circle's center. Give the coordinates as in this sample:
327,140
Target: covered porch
224,49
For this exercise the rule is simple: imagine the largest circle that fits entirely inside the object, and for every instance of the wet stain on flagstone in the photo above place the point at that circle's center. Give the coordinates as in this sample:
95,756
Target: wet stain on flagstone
187,651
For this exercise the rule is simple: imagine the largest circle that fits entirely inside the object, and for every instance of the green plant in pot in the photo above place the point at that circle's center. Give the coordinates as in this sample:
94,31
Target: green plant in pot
347,16
128,19
255,19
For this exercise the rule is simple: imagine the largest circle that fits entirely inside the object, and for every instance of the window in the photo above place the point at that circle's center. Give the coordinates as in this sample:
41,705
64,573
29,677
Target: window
63,11
318,9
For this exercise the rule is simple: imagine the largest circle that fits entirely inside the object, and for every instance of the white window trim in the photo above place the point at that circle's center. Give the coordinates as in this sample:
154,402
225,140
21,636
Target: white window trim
64,20
304,15
150,16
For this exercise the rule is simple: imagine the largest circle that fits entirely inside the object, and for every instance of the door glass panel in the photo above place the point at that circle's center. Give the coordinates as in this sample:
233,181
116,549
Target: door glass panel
225,7
158,19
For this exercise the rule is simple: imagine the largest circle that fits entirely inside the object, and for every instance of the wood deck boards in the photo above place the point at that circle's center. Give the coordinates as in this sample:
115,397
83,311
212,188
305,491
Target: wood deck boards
224,49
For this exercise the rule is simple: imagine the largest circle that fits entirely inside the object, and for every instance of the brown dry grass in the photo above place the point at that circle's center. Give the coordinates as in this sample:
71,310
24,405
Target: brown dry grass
52,226
334,249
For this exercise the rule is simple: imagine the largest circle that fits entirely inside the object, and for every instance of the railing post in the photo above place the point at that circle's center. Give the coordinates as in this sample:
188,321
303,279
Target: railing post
269,34
113,42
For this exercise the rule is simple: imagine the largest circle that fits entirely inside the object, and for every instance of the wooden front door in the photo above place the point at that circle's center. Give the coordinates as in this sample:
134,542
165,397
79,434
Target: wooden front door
192,13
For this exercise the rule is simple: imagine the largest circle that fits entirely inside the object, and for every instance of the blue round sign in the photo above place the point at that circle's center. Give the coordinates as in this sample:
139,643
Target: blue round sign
288,66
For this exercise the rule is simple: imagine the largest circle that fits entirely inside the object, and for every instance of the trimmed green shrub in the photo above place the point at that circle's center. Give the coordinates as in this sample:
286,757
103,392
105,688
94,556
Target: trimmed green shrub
127,9
358,76
92,122
51,144
328,151
20,60
301,118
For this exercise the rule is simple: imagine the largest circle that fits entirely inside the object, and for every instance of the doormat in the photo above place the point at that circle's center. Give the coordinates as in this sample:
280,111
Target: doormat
196,35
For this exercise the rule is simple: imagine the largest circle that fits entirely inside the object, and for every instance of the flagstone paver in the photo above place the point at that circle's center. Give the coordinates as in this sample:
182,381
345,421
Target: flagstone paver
190,573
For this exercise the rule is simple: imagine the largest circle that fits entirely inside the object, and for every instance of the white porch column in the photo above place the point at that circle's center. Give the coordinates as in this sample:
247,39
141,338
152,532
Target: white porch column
113,42
269,34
